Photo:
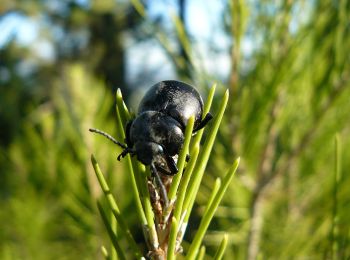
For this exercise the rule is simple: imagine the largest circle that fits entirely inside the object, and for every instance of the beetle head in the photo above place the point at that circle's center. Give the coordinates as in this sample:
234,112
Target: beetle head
149,152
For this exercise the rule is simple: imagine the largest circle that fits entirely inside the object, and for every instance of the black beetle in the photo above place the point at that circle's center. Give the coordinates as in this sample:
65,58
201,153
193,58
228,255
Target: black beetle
156,135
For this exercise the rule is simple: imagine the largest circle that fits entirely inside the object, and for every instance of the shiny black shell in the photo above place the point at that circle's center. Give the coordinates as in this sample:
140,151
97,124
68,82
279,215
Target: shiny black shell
159,128
175,99
156,135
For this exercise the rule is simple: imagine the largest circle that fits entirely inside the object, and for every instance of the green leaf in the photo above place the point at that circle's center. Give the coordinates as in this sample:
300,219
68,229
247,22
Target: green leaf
182,158
111,234
203,226
172,239
115,209
203,158
221,250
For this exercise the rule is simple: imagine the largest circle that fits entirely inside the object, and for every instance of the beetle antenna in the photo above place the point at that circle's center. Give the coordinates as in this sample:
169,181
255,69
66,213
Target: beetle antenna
125,152
160,185
97,131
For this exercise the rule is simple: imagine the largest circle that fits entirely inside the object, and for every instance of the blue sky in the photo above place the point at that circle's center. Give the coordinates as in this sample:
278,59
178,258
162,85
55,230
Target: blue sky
202,20
24,30
203,23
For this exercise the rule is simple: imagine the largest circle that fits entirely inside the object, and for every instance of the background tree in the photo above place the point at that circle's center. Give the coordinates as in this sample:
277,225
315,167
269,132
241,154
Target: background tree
287,67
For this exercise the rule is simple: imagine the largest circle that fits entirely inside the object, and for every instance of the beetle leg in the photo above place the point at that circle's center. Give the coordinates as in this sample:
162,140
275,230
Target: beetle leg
127,133
204,122
172,165
125,152
161,185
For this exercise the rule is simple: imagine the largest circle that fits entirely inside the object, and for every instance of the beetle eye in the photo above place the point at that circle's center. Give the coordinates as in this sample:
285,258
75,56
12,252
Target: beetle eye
160,149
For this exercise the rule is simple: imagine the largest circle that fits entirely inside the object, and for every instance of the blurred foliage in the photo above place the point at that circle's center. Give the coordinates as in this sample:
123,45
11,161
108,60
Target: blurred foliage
68,32
289,98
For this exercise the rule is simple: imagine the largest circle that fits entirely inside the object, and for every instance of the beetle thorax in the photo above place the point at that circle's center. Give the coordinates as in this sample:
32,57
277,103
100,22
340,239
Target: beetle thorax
159,128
